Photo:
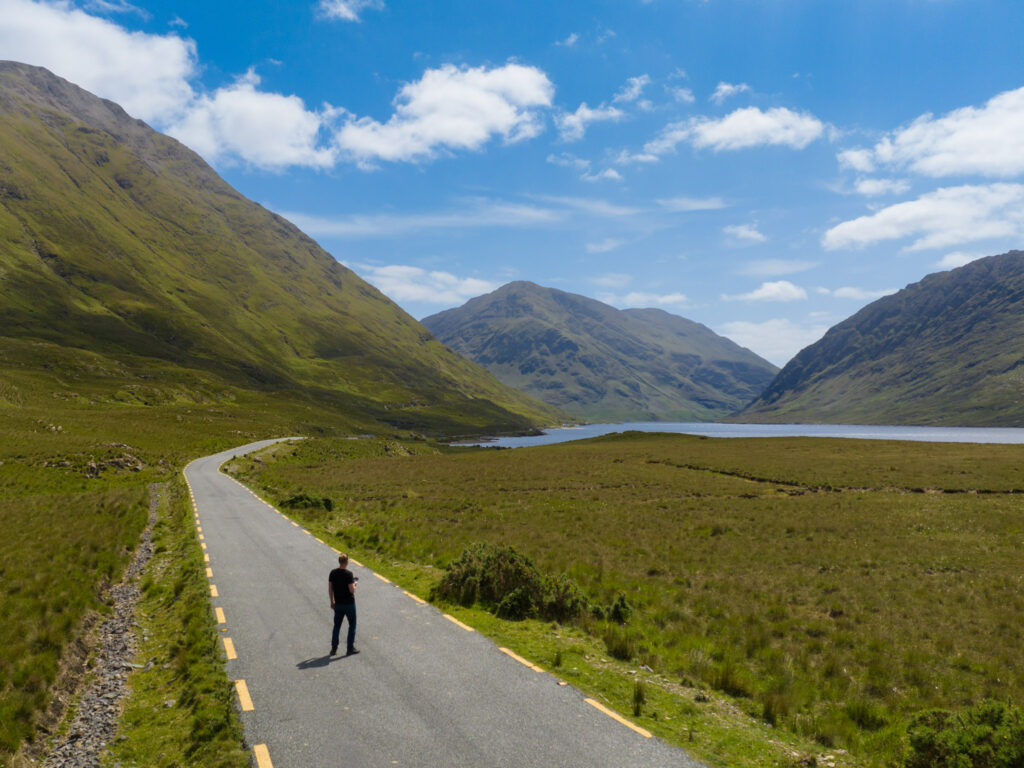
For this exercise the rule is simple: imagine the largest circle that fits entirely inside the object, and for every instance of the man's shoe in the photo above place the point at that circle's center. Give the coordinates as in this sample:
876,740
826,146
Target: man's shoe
334,651
352,651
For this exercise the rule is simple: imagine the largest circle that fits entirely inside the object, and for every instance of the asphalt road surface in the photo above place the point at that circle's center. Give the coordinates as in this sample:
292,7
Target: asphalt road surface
424,691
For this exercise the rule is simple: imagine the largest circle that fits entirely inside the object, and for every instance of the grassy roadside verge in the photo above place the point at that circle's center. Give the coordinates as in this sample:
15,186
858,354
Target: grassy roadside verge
181,706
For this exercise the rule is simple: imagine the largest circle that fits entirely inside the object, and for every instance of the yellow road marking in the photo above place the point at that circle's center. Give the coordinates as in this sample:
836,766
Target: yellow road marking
354,562
294,523
201,537
206,558
209,573
458,623
419,600
229,648
243,696
262,756
386,581
202,544
319,539
520,659
213,591
618,718
220,615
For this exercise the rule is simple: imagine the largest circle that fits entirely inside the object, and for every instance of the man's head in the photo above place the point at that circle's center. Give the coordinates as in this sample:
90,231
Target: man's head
343,561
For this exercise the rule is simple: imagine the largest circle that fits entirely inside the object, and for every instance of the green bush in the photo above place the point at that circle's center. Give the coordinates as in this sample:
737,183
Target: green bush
988,735
510,584
305,501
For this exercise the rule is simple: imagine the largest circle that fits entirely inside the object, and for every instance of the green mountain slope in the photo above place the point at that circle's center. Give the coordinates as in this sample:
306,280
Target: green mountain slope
948,350
601,363
120,241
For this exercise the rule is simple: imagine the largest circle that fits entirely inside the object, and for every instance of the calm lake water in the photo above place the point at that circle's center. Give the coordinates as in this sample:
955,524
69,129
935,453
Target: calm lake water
854,431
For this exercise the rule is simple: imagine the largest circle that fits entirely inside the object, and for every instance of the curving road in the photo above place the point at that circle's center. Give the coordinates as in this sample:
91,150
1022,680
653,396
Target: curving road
423,692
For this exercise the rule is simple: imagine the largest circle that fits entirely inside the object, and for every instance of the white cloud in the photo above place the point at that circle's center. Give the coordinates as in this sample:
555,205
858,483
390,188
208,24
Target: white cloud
687,204
570,41
612,280
944,218
725,90
605,246
590,205
858,159
572,125
857,294
958,259
680,94
608,174
775,340
632,89
452,108
347,10
474,214
567,160
742,129
780,290
744,232
146,74
406,283
874,187
628,158
266,129
776,267
644,299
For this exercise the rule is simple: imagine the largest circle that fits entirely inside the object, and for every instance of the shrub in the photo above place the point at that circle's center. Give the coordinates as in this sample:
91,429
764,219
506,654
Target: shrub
988,735
305,501
510,584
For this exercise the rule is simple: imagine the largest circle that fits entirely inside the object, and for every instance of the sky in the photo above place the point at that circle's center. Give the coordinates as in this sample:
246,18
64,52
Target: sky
764,167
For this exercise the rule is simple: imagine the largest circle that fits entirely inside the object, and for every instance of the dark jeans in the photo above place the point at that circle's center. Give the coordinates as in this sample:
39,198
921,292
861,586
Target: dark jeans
342,611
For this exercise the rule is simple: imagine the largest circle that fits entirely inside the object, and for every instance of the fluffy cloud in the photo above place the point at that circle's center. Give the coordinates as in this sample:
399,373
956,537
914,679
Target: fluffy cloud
746,233
776,340
780,290
857,294
570,41
680,94
632,89
958,259
146,74
874,187
266,129
605,246
405,283
347,10
987,141
941,219
608,174
644,299
725,90
687,204
776,267
452,108
572,125
742,129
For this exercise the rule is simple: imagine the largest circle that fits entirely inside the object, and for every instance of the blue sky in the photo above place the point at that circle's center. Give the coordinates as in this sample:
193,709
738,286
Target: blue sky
764,167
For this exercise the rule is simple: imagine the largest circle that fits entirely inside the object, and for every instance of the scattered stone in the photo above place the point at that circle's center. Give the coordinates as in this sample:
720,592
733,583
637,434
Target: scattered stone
99,709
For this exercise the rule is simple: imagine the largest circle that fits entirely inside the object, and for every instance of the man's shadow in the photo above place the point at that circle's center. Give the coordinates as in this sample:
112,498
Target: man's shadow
320,661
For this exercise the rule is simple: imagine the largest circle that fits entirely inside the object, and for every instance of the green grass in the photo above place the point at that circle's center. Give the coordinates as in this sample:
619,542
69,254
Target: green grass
830,589
181,707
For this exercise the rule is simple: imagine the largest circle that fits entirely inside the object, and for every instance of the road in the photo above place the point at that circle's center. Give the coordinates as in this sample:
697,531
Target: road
423,692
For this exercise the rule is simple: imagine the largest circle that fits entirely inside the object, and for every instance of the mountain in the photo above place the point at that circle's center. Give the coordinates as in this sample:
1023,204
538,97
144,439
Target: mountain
601,363
120,242
948,350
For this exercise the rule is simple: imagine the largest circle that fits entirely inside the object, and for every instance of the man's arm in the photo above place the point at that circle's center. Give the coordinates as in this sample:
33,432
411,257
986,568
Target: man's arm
330,591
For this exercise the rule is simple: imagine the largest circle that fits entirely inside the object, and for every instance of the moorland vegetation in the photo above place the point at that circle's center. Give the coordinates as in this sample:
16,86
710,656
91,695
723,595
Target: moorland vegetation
831,589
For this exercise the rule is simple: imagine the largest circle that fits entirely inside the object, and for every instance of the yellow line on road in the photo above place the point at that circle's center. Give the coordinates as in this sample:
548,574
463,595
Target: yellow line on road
209,573
319,539
294,523
199,528
385,580
229,649
220,615
206,558
520,659
243,696
354,562
419,600
262,756
201,537
202,544
458,623
618,718
213,591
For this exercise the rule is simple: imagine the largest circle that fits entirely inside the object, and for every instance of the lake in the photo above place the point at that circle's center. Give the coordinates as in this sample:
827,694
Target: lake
1008,435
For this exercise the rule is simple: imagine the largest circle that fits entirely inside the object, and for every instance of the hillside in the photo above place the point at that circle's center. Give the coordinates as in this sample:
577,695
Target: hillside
600,363
120,245
947,351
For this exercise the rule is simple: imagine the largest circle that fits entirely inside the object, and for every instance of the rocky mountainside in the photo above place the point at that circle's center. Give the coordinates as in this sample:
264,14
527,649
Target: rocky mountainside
601,363
120,242
948,350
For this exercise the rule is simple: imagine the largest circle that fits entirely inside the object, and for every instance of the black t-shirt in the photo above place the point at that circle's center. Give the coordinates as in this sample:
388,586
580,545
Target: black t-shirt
340,578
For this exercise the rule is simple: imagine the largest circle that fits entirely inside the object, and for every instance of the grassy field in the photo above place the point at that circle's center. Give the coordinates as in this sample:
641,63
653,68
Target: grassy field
829,589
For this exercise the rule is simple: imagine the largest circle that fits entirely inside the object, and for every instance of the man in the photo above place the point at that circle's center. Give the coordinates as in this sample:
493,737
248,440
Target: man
341,586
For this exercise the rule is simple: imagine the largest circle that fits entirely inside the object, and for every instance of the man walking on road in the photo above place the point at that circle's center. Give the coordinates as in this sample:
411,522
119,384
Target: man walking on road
341,585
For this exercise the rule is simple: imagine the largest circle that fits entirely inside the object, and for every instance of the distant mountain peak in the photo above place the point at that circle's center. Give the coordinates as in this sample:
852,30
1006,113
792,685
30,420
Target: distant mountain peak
601,363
